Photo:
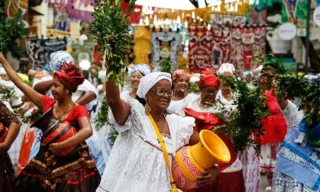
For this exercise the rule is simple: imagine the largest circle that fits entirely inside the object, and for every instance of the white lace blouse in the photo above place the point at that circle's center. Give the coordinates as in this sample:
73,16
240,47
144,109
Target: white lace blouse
136,161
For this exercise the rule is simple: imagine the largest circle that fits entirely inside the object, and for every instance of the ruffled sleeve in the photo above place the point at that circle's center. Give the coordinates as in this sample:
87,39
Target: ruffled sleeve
184,129
133,122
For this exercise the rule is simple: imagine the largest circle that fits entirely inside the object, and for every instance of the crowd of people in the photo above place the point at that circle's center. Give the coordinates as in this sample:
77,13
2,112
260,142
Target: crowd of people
62,150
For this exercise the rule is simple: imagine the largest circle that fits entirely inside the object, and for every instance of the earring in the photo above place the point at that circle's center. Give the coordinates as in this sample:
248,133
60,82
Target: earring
147,108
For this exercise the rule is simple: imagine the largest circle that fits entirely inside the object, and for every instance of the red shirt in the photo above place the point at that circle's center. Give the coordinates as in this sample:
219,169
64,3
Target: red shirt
77,112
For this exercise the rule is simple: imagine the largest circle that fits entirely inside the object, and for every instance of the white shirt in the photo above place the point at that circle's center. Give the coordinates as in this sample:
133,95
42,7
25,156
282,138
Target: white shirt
177,106
136,162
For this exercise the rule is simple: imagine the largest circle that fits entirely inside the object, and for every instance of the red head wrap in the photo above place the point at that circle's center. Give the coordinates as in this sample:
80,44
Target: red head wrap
178,73
206,71
70,76
208,79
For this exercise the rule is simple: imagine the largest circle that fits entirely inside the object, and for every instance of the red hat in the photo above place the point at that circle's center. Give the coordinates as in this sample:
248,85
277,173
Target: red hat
70,76
208,79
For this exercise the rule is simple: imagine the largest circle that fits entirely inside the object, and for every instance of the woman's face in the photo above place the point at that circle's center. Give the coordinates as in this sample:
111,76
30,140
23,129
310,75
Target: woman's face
208,94
159,96
248,78
59,92
181,83
4,77
135,79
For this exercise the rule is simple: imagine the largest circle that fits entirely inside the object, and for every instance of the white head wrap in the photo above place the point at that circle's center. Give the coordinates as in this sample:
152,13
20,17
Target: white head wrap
226,67
2,71
246,73
144,69
59,58
194,78
148,81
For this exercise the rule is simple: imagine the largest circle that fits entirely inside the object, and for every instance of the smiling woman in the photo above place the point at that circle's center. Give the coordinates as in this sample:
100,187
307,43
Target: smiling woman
65,126
138,162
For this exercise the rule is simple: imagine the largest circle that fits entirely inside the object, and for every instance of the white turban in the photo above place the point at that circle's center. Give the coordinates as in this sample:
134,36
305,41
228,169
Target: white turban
194,78
148,81
2,71
226,67
144,69
246,73
57,59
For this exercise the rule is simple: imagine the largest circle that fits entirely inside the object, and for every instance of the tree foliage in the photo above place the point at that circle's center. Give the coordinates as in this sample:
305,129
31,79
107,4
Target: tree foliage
11,29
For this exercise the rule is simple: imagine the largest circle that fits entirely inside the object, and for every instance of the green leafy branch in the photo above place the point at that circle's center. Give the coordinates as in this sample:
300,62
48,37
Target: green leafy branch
166,65
112,34
11,29
245,121
101,118
7,94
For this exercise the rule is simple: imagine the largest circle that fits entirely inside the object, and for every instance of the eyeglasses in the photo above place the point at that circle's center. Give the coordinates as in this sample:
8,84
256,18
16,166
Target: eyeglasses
162,92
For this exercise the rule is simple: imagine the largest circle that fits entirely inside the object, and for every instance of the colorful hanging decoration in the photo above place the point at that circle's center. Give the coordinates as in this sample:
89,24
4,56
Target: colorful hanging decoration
257,16
165,47
227,39
200,47
240,7
39,50
247,41
142,45
295,11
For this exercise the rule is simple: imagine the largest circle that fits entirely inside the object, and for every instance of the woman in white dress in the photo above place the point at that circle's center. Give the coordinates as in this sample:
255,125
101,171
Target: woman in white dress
180,98
137,162
135,75
249,159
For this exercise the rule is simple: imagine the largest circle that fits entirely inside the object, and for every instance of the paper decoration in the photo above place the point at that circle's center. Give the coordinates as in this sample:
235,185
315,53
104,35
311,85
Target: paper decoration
200,47
142,45
295,11
246,42
39,50
165,45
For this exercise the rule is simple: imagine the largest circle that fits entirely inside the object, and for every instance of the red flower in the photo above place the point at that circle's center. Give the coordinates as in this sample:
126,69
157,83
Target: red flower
34,111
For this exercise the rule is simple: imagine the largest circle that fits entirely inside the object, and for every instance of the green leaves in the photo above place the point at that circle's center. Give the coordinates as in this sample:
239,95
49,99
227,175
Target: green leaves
245,121
7,94
166,65
102,116
10,30
112,34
